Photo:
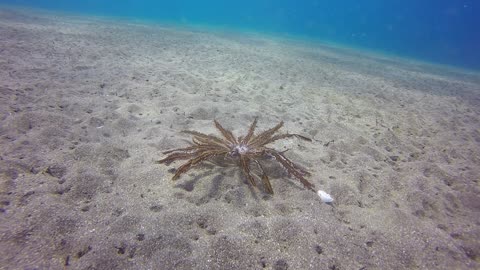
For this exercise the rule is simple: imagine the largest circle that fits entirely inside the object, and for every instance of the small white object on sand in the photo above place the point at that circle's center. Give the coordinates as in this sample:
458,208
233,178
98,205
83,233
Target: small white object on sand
325,197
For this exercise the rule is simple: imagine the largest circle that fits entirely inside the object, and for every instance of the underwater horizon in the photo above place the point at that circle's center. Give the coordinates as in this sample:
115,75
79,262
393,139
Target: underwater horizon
439,32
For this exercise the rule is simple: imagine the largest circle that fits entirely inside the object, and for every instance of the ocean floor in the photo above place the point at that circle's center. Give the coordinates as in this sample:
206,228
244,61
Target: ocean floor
88,105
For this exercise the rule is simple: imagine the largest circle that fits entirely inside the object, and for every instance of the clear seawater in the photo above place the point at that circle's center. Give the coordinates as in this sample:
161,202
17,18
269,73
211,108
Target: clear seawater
437,31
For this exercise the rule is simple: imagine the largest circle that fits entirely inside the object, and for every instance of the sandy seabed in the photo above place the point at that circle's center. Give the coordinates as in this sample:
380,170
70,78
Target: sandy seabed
88,105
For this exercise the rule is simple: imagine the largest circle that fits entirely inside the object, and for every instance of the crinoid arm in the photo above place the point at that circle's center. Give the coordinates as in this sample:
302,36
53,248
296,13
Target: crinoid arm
266,182
250,132
264,137
175,156
195,161
226,133
206,139
178,154
291,168
245,165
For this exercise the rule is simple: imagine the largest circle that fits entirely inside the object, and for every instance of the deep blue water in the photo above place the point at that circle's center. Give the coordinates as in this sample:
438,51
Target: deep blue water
438,31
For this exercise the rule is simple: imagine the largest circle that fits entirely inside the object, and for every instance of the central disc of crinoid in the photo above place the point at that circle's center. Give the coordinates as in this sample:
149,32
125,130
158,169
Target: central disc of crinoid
241,149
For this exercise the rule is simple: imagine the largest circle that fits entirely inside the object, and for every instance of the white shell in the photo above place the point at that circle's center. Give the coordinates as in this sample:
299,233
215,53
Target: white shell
325,197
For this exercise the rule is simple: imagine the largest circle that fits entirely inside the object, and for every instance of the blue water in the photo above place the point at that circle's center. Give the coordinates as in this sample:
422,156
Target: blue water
438,31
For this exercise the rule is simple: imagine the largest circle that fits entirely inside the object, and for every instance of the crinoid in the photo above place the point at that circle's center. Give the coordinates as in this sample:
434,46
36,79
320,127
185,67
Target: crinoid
247,150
